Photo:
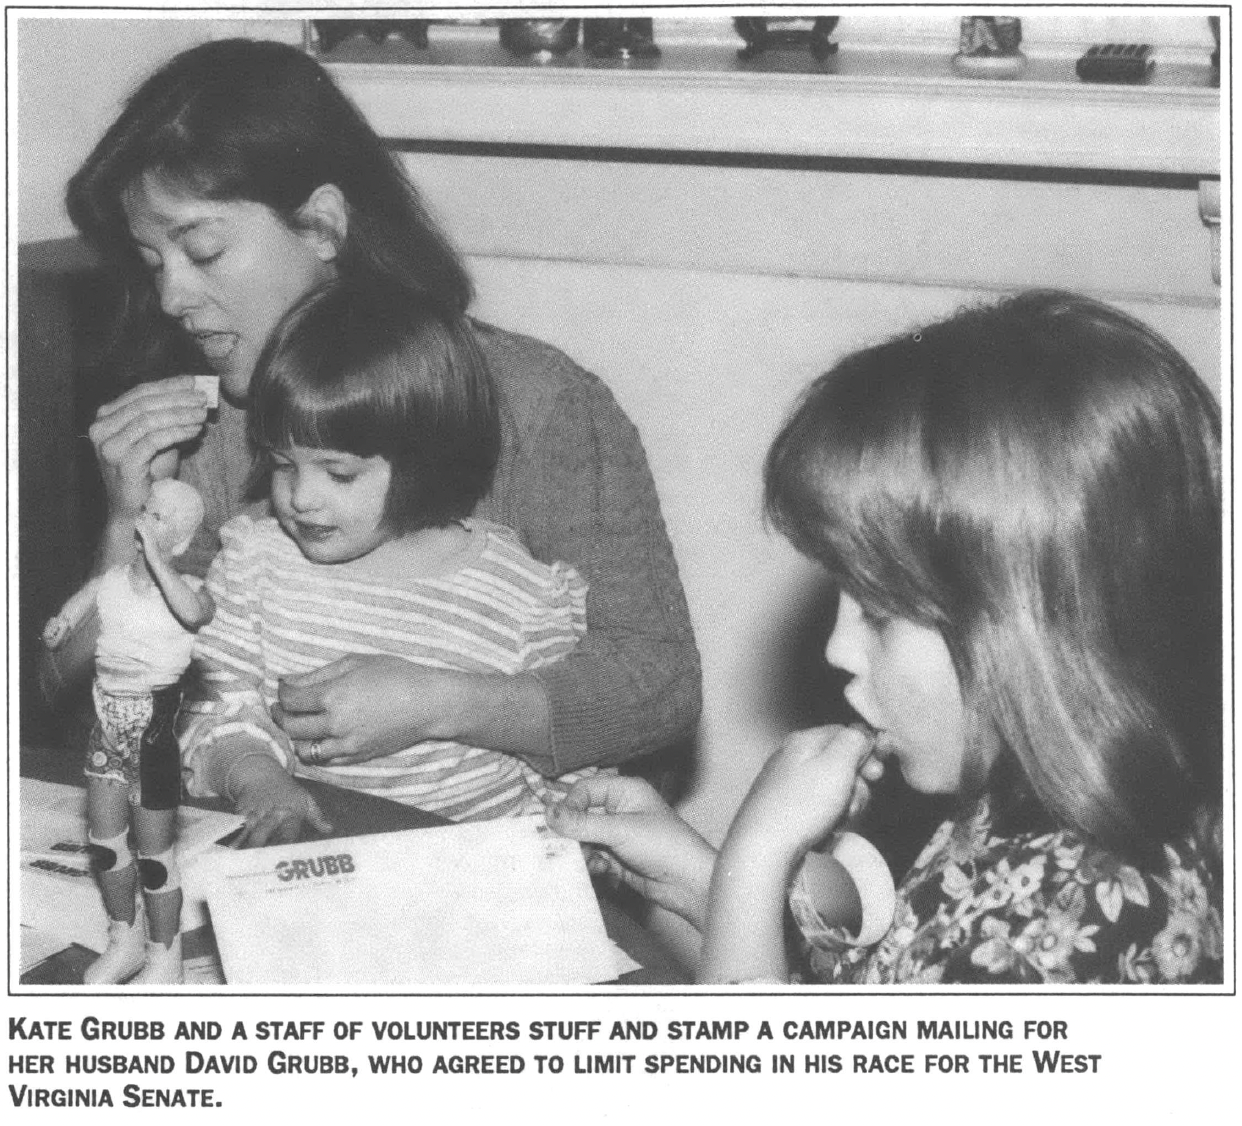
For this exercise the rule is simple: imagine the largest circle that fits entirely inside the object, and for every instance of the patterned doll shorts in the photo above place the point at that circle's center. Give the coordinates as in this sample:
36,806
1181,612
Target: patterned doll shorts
134,743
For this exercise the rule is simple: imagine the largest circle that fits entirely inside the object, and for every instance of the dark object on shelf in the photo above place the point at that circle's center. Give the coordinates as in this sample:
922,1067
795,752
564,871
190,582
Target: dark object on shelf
1214,24
763,33
1116,62
539,37
989,47
332,33
620,39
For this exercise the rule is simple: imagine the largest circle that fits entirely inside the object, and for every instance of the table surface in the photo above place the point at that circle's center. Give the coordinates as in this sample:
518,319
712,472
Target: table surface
351,813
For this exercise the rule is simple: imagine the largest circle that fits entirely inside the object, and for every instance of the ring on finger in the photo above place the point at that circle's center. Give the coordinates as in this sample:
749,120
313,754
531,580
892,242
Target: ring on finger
314,752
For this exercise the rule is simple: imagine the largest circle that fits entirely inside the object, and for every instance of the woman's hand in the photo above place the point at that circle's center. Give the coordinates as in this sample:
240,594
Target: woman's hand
364,706
643,843
275,807
817,779
136,438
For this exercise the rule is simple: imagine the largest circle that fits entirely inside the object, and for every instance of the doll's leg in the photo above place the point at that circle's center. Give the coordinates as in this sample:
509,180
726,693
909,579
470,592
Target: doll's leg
161,891
107,812
161,878
107,805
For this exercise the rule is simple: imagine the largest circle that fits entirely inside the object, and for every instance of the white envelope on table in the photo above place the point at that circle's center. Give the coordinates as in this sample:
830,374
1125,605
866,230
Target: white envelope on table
492,903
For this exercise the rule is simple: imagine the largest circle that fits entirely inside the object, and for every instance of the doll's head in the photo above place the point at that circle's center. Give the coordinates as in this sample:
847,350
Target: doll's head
178,511
1038,482
376,372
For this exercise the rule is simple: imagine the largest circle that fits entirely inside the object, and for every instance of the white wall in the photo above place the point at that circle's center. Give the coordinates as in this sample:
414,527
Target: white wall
73,75
706,298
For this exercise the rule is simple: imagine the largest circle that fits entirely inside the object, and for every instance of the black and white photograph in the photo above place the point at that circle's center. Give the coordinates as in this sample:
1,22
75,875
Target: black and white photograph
681,556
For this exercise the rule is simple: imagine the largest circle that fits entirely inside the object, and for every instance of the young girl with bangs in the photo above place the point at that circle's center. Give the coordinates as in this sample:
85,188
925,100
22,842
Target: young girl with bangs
1021,508
376,430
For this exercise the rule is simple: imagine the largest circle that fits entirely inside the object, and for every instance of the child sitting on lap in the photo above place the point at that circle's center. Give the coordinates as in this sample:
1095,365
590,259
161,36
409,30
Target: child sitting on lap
376,428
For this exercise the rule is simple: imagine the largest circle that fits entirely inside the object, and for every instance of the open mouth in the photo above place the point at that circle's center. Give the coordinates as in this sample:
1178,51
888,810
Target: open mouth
216,347
315,533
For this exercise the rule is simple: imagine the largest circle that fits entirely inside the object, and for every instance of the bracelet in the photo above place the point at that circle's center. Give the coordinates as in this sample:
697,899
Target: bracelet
234,765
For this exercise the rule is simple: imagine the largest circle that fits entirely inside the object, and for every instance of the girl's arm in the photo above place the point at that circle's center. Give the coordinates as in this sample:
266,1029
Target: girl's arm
803,791
230,746
192,608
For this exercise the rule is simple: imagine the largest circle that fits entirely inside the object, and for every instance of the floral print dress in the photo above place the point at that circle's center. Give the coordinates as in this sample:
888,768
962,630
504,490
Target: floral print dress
1037,908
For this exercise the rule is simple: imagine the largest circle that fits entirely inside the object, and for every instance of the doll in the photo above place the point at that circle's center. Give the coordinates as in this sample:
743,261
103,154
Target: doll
148,614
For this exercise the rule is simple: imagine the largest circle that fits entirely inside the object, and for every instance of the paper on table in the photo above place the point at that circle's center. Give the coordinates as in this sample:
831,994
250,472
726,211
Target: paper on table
494,903
59,895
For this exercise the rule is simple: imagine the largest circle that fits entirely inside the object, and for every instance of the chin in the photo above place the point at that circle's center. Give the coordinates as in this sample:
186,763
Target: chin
235,386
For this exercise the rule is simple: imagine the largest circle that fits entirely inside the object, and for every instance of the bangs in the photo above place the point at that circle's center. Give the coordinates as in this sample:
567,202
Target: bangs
340,413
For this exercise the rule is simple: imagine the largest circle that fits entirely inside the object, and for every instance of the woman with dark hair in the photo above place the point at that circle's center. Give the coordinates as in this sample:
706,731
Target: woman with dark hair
1021,509
238,179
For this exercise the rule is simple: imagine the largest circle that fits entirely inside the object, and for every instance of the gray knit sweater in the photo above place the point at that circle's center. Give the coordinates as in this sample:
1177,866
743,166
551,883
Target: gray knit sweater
573,481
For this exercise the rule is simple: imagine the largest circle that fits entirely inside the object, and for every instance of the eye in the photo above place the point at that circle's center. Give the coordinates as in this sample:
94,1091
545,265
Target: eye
203,254
150,260
342,478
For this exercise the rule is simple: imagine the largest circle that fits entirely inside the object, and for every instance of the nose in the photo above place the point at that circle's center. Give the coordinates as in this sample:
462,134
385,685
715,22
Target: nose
846,649
303,495
178,289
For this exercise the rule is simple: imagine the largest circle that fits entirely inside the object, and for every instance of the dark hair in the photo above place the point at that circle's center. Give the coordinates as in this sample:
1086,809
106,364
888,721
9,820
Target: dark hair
241,119
374,370
1039,481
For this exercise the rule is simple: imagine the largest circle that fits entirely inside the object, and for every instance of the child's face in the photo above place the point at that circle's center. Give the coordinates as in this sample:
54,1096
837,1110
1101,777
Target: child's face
331,503
904,685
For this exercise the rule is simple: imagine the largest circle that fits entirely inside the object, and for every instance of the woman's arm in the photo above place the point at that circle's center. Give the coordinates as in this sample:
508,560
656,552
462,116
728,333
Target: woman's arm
583,493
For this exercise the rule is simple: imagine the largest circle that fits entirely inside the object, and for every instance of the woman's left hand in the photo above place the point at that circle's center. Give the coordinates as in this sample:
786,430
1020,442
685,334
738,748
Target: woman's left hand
364,706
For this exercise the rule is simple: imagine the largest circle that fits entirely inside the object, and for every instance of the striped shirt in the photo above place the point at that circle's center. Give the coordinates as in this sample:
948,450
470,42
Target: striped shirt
278,614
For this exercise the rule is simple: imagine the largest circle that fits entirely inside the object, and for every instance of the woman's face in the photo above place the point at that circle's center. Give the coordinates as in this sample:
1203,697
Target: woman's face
227,271
904,685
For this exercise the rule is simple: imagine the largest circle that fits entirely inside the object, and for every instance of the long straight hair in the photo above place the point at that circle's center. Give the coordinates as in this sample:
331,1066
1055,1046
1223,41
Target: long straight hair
1039,481
249,120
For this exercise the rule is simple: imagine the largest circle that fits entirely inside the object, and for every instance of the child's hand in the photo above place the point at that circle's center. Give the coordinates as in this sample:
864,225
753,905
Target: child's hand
644,843
55,632
275,808
808,787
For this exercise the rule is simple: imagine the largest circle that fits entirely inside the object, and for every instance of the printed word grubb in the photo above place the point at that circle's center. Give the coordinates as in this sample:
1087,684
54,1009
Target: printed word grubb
316,867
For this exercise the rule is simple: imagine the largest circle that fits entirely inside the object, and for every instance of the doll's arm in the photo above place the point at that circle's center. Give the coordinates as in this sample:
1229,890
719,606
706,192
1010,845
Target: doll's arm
192,608
71,614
